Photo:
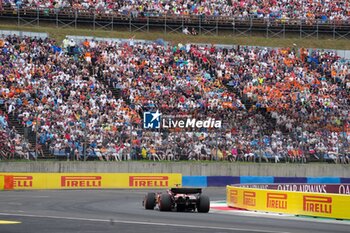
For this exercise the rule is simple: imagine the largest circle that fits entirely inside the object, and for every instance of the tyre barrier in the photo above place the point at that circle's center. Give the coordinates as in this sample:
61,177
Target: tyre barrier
18,181
297,203
28,181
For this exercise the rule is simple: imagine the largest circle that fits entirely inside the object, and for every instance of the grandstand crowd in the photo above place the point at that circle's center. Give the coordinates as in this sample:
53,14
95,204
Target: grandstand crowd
307,10
277,105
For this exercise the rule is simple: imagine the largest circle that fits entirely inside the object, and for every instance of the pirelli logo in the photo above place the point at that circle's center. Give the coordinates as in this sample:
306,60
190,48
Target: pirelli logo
249,198
12,182
233,196
317,204
277,200
148,181
81,181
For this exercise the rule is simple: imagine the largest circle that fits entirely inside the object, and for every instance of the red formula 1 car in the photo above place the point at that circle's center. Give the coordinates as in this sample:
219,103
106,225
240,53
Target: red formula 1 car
179,199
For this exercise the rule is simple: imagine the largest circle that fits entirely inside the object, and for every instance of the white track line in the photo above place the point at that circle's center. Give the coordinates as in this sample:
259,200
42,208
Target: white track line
144,223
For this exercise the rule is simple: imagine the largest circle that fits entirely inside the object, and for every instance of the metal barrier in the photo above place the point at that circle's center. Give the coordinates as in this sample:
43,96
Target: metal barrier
23,34
116,40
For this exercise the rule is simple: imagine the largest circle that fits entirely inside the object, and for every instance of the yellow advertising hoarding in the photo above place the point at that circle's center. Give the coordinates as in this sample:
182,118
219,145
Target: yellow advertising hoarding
297,203
24,181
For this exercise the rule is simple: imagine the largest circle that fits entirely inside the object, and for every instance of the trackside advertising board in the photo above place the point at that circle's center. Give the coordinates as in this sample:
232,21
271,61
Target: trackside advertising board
297,203
27,181
310,188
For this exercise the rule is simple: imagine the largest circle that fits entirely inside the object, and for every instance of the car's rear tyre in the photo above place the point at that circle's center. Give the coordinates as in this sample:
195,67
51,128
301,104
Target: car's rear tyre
203,204
165,202
150,201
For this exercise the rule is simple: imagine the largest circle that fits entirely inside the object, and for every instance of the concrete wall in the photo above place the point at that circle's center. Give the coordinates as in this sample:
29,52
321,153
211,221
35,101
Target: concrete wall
185,168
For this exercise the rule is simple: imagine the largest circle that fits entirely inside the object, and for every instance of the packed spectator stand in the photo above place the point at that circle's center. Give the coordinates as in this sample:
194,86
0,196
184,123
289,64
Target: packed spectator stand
85,100
324,11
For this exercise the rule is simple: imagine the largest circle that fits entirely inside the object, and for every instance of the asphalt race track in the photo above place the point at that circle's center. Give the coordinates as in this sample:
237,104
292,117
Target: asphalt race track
108,211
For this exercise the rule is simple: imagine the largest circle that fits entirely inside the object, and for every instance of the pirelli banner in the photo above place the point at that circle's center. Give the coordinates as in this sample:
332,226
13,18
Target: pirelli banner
24,181
297,203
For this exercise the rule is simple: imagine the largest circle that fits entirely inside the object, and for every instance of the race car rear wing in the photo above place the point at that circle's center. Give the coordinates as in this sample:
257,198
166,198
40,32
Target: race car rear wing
186,190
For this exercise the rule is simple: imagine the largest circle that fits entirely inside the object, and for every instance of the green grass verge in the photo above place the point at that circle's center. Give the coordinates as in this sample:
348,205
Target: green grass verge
257,40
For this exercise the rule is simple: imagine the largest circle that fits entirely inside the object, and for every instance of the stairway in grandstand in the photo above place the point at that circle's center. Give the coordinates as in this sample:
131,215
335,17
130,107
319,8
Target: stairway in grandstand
13,122
116,92
248,103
